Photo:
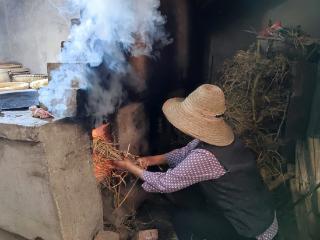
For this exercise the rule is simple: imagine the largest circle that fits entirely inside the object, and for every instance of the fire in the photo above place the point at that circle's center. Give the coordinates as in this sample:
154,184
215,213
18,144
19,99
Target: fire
102,167
105,151
102,132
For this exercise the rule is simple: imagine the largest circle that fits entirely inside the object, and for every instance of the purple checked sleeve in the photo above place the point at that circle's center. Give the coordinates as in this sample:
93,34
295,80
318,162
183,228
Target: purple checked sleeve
176,156
271,232
199,165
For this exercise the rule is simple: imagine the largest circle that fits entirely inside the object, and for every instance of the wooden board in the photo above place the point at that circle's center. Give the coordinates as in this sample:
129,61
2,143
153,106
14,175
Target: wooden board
314,124
303,188
303,87
18,99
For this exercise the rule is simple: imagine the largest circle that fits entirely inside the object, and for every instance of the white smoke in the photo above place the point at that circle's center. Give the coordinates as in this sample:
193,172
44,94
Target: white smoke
109,32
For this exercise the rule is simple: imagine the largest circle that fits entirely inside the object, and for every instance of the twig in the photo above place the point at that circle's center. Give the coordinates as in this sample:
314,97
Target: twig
279,180
129,192
128,149
284,116
253,94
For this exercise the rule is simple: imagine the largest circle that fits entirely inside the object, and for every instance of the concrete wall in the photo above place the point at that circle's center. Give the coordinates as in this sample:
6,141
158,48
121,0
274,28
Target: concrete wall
47,185
9,236
31,32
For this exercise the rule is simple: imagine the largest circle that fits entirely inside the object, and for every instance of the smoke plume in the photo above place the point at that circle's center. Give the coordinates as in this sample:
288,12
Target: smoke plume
109,32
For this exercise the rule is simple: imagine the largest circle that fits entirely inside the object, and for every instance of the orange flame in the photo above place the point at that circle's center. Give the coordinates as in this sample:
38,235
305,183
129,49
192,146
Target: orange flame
102,167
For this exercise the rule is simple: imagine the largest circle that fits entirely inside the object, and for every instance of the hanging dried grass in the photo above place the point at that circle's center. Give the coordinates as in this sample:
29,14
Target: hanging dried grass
257,94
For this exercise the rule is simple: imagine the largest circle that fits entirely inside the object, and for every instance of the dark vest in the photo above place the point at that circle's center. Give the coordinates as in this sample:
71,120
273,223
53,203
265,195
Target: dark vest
240,194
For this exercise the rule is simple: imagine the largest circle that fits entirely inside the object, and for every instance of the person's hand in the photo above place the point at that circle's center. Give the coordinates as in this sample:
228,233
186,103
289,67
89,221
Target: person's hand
127,165
143,162
122,164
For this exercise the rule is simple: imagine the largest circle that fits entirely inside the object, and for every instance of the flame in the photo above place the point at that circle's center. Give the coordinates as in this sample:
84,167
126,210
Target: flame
102,167
102,132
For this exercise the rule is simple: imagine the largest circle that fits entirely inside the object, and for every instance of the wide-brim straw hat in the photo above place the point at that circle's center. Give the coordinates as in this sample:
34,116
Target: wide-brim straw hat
200,115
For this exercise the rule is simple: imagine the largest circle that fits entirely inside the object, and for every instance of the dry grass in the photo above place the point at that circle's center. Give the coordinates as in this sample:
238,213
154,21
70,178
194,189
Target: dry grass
257,94
104,153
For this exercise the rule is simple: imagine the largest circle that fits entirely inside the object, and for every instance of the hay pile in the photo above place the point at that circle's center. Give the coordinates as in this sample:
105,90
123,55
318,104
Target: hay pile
257,91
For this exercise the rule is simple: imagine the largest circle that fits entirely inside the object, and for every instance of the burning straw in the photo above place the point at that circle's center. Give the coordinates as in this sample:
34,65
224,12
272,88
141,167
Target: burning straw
104,153
257,94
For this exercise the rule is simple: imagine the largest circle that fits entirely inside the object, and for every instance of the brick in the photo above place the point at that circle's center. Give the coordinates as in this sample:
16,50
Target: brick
151,234
107,235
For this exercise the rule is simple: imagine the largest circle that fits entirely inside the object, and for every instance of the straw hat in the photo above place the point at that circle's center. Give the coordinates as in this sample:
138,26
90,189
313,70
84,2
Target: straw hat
199,115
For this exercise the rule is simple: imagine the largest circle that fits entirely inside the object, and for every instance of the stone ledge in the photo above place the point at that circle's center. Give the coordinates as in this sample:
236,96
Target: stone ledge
20,126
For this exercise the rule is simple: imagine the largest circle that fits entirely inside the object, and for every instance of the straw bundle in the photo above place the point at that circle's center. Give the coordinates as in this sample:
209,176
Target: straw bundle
257,94
104,153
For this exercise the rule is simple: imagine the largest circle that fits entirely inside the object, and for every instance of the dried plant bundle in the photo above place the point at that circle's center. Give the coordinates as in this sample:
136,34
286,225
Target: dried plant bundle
104,153
257,91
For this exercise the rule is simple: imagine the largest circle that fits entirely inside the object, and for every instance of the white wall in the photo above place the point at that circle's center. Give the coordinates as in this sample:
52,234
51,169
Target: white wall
31,32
